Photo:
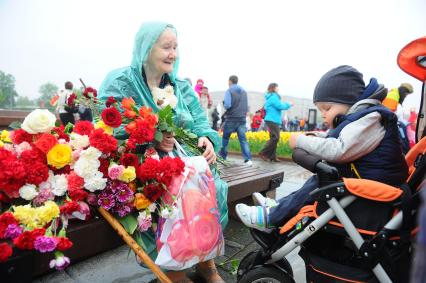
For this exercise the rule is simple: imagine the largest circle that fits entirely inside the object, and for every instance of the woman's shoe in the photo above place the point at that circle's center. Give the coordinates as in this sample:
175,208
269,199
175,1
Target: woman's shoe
178,277
264,158
208,271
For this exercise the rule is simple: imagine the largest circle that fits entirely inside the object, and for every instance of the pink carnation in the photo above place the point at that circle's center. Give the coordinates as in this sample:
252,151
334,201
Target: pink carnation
115,171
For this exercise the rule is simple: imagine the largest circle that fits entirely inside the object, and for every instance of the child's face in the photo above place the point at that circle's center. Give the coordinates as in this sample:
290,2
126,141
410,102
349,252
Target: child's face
330,110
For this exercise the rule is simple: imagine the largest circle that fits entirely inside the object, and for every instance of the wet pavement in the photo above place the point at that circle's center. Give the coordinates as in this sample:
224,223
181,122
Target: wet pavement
119,265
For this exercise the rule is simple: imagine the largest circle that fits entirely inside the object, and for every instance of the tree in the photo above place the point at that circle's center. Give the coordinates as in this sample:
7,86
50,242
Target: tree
7,90
47,91
24,102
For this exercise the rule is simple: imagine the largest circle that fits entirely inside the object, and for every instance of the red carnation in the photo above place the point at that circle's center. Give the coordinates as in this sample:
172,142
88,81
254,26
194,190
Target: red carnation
75,182
102,141
33,155
148,170
103,168
60,131
6,219
5,252
129,159
36,173
83,128
12,176
71,99
153,191
111,117
69,207
90,92
25,241
18,136
45,142
110,101
77,194
63,243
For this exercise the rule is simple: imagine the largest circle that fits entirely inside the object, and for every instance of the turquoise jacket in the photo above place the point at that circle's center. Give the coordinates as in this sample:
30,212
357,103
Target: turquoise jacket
274,106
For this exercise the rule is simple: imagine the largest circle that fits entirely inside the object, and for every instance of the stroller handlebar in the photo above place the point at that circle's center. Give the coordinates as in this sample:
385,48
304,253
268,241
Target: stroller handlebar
315,164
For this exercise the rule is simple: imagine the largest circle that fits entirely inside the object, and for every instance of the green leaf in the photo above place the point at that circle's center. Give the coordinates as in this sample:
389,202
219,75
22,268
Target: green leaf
158,136
15,125
129,223
234,266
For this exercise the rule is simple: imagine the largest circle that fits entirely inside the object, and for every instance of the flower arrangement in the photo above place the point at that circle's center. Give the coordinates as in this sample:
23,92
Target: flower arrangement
50,175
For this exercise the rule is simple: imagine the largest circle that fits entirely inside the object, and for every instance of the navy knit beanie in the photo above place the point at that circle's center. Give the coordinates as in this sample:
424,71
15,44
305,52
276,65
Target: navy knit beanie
343,84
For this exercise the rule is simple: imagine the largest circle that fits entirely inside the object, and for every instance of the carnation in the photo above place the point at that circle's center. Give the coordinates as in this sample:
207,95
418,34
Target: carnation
79,141
5,252
44,244
86,168
144,221
96,183
83,128
59,184
115,171
28,192
91,153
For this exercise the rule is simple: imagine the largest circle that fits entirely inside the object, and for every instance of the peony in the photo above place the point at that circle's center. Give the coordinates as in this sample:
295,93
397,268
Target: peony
28,192
59,155
39,121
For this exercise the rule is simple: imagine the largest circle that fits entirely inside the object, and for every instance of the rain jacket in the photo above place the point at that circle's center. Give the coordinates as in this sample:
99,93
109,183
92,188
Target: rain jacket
273,107
188,114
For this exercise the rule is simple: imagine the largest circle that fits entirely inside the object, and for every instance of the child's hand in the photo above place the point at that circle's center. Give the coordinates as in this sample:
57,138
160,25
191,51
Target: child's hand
293,140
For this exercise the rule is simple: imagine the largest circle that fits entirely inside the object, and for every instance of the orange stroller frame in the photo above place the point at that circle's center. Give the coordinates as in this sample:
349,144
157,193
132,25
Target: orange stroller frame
384,253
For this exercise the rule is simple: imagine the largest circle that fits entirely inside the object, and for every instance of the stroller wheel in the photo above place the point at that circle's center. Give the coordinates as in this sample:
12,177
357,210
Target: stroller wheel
264,274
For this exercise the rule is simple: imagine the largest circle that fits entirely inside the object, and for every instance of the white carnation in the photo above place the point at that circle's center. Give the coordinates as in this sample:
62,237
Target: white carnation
59,184
96,183
39,121
85,168
79,141
91,153
28,191
169,212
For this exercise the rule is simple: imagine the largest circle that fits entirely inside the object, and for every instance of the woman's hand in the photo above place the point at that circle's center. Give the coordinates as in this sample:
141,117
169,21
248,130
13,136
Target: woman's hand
167,143
209,153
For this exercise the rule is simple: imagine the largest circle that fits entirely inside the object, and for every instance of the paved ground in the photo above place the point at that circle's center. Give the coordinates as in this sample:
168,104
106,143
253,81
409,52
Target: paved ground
119,266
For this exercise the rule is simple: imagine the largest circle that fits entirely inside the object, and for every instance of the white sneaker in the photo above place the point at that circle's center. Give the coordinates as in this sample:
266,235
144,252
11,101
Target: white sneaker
259,199
248,162
253,216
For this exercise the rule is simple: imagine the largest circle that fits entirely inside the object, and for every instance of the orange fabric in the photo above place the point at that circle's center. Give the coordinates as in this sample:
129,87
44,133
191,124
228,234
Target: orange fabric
334,276
372,190
419,148
390,103
304,211
407,58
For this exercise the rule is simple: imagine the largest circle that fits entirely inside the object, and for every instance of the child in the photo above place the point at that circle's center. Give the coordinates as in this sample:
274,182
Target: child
363,143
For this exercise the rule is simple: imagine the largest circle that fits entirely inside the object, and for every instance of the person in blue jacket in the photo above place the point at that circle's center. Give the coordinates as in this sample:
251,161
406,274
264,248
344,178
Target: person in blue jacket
273,107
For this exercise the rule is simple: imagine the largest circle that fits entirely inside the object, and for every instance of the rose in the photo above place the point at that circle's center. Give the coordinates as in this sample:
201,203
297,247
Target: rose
111,117
129,174
141,202
127,103
59,155
45,142
39,121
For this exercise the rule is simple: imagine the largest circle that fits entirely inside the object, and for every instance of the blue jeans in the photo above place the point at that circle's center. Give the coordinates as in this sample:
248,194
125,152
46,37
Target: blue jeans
231,127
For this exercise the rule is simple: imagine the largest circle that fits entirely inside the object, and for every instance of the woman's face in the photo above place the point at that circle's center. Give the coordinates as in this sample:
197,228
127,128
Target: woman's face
164,53
330,110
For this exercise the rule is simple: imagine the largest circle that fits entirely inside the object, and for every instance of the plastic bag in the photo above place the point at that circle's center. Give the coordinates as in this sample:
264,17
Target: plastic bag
195,234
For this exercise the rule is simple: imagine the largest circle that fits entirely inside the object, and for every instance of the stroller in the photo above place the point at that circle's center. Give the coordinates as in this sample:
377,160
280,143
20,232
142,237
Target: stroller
358,230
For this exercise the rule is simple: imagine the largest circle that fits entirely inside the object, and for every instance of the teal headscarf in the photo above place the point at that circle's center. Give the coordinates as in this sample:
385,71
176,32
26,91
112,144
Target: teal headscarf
147,35
128,82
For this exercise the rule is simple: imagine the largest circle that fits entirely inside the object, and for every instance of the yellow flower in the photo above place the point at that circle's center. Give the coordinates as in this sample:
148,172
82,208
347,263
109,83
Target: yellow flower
47,212
5,136
107,129
141,202
25,215
129,174
1,144
59,155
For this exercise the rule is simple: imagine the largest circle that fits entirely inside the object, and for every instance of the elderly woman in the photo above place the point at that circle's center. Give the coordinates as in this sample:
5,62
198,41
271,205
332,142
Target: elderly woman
154,67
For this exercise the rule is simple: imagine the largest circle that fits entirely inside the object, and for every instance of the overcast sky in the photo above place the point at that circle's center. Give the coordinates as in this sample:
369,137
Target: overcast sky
289,42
